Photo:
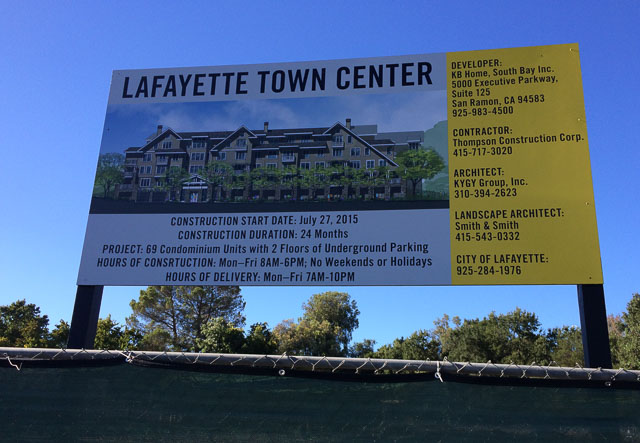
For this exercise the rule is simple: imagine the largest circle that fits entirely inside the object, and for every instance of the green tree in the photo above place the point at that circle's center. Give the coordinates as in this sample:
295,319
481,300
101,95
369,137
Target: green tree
418,164
504,338
260,340
628,341
110,172
133,339
308,337
147,337
325,328
287,337
173,317
59,336
443,330
421,345
109,335
392,351
363,349
338,309
566,345
21,325
220,335
616,333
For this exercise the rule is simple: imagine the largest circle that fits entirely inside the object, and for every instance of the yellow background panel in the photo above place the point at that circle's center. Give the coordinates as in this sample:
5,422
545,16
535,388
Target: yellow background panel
557,173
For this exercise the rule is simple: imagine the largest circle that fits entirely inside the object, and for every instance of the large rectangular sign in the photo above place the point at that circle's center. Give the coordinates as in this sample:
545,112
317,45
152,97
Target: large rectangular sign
436,169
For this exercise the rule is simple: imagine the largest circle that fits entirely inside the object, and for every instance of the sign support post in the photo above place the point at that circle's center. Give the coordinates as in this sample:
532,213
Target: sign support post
593,321
84,322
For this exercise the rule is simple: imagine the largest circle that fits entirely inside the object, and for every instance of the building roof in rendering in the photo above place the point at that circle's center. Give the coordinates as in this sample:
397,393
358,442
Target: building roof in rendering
282,139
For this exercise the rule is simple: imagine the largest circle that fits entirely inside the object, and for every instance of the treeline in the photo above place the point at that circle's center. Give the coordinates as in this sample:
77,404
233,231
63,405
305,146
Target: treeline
210,319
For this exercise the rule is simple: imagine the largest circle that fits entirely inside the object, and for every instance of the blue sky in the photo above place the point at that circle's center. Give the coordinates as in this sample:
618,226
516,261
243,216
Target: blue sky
57,60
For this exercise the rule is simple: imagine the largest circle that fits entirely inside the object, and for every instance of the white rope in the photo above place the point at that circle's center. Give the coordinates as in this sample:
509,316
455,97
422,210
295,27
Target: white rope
18,367
437,374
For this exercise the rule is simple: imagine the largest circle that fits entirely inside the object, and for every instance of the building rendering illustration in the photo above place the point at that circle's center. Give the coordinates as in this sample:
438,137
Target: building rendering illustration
336,162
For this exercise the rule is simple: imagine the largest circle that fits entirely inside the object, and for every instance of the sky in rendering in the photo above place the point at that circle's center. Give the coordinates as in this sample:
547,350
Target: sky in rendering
56,61
130,125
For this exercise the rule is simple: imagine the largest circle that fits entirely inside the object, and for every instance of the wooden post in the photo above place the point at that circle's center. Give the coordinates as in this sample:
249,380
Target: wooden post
84,322
593,321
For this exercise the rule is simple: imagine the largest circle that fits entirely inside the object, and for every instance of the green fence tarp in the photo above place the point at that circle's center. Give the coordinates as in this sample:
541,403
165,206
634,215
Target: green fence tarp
131,403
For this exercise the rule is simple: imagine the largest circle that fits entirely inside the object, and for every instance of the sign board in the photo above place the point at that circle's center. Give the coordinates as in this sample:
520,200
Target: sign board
463,168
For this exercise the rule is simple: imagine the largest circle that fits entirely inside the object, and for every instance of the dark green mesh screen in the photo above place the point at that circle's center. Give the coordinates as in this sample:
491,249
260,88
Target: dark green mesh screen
130,403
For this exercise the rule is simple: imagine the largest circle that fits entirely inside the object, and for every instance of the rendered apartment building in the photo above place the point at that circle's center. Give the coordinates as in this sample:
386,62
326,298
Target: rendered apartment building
245,150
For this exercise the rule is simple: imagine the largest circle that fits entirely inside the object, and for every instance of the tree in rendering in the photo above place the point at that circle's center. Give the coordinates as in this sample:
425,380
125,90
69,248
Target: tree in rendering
289,180
219,175
417,165
110,172
340,176
383,176
264,179
310,179
359,179
172,181
259,181
345,180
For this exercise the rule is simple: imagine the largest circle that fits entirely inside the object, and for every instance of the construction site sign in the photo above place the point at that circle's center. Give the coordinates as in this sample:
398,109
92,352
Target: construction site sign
433,169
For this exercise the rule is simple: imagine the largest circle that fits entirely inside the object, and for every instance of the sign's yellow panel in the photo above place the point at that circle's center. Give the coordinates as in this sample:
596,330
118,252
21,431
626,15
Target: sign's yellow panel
521,196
